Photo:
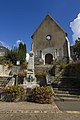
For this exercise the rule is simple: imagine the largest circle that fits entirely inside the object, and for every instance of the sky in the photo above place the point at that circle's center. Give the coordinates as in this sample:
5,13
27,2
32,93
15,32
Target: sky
20,18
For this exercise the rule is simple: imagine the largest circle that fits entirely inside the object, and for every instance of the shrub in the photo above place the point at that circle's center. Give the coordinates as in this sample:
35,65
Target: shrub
24,65
22,73
72,69
40,73
10,65
41,77
13,93
62,66
21,76
42,95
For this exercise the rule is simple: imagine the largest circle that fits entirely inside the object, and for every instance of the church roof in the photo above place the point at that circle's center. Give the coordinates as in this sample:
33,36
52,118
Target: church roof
49,17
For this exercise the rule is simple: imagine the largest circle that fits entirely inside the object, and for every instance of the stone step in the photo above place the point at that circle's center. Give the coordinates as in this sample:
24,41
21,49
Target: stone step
60,91
68,92
66,80
74,91
66,89
66,99
68,77
3,82
67,95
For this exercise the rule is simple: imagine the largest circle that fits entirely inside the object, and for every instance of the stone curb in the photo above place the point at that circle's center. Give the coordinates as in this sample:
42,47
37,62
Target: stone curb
72,112
31,111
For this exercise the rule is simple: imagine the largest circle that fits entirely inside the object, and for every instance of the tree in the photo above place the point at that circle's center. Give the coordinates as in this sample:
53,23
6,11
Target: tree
11,55
22,52
17,54
76,48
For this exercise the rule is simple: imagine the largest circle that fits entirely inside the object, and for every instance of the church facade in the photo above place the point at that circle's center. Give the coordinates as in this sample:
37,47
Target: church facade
50,43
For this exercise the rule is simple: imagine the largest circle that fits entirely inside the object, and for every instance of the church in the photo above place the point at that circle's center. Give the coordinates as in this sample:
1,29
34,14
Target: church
50,43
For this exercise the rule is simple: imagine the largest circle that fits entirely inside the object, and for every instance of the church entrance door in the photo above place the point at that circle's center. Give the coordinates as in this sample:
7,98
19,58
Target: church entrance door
48,58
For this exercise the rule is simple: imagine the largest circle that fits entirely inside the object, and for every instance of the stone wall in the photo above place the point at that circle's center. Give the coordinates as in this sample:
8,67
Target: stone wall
4,70
48,26
57,46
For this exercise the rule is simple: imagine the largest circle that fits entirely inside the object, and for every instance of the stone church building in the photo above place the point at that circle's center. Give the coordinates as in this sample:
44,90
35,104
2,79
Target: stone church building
50,43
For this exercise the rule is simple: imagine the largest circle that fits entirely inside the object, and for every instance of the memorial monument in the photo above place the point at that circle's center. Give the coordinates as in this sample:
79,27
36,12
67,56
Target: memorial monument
30,69
30,81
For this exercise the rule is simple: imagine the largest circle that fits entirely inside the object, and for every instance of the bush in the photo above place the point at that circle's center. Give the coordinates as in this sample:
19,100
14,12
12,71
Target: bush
42,95
62,66
40,73
24,65
22,73
72,69
13,93
41,77
10,65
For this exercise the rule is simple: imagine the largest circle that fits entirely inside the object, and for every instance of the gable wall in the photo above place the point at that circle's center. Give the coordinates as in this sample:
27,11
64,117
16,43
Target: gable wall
48,26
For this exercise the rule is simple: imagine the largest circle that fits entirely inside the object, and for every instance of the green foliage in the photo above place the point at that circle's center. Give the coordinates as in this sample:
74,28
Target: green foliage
22,52
76,47
42,95
16,54
72,69
62,66
11,55
3,60
24,65
22,73
40,73
13,93
10,65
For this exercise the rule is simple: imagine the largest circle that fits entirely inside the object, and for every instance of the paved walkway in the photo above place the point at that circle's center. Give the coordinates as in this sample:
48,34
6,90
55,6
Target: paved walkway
28,107
39,116
68,105
33,111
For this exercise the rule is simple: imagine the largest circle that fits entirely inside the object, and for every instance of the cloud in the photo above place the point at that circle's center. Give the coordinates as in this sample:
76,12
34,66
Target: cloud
1,43
75,27
19,41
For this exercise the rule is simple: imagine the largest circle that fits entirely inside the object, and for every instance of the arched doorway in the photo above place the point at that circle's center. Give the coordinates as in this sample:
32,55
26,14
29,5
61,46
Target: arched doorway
48,58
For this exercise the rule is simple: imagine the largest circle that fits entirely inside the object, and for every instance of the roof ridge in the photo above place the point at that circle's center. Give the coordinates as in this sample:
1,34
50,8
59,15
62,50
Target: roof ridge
48,15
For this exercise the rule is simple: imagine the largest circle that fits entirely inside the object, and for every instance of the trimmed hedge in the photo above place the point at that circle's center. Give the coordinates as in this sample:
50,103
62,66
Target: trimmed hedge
13,93
42,95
